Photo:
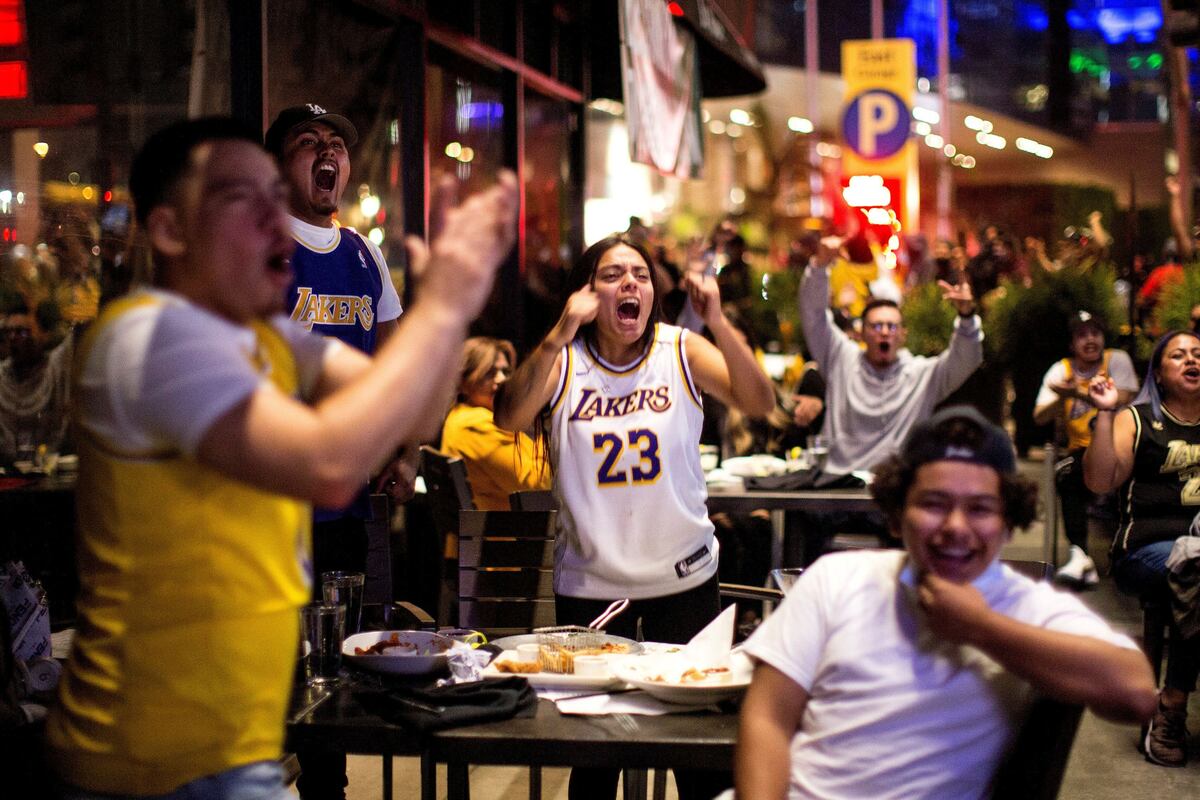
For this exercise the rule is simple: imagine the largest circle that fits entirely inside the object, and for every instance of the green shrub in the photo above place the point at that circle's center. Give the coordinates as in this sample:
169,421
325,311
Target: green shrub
1029,326
929,320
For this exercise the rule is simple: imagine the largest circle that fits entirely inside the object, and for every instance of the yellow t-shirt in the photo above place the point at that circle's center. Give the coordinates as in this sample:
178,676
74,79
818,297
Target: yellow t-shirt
188,629
498,461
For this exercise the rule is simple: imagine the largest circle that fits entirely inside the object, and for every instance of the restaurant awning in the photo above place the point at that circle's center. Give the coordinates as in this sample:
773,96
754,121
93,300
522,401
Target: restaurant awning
727,67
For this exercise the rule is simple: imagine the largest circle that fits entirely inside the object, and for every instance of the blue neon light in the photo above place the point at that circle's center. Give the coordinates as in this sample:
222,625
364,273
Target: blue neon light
1117,20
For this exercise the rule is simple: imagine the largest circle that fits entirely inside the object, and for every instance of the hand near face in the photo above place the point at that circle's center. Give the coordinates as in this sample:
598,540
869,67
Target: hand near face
1103,394
953,610
581,308
959,296
706,298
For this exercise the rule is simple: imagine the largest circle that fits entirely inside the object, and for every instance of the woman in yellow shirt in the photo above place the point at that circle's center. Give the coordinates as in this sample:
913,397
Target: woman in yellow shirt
498,462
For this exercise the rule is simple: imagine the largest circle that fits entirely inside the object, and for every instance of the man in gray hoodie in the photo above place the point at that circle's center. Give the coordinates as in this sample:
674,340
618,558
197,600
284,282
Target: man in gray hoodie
875,395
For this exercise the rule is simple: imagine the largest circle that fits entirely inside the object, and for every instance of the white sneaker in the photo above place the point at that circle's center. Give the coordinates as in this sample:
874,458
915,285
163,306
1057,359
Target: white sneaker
1079,571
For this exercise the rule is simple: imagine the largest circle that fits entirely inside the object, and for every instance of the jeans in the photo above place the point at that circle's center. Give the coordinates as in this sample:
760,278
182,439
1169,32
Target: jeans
1143,572
262,780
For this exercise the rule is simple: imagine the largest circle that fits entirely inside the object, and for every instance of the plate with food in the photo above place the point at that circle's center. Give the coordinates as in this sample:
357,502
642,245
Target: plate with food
399,652
755,466
608,645
676,680
598,676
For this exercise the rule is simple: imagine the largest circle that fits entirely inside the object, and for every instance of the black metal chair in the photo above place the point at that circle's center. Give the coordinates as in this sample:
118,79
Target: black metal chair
1034,767
448,492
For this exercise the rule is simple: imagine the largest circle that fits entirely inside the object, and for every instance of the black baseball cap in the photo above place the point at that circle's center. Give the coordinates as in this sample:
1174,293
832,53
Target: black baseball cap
1085,319
988,445
309,112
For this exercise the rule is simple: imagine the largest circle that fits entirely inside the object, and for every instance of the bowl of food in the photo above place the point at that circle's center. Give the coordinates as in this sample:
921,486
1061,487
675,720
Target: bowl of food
399,652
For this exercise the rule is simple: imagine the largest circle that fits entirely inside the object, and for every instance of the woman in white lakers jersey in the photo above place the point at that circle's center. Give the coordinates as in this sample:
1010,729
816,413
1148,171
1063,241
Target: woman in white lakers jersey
617,395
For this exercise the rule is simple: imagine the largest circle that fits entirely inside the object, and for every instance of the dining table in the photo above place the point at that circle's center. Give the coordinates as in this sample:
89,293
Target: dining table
789,542
332,716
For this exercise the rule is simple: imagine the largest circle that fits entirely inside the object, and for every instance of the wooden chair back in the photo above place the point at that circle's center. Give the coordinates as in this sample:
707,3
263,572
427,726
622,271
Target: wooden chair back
505,570
1034,570
446,486
539,500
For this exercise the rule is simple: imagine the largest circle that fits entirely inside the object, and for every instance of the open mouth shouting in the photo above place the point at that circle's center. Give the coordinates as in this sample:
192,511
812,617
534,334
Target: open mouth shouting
325,176
629,309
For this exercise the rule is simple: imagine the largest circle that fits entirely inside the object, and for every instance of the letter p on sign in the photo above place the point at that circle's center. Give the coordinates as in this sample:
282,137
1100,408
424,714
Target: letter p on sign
875,124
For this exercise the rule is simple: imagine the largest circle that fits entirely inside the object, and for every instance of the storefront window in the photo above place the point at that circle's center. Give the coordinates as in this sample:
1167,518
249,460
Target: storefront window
466,114
353,63
550,190
79,92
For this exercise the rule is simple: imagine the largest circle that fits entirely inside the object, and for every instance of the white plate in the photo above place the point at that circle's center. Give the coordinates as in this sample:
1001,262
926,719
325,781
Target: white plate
757,466
637,673
427,654
552,680
511,642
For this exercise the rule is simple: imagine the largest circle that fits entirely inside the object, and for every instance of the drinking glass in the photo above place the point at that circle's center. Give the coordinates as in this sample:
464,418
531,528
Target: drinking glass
818,451
345,589
323,627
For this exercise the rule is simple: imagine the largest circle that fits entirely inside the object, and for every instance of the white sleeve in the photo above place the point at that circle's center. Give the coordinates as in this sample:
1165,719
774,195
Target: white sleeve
1121,370
311,351
1055,374
1065,613
157,378
792,639
389,302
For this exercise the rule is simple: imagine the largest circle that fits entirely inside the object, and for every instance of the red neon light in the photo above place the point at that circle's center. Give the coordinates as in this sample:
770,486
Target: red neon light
12,29
14,80
108,195
675,9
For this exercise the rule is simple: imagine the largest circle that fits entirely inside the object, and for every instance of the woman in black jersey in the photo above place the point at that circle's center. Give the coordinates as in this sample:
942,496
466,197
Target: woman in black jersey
1152,452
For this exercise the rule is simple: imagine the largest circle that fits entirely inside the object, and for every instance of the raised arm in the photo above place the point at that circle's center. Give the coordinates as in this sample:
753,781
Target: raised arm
965,353
820,334
523,396
771,715
1115,682
728,371
1108,461
325,452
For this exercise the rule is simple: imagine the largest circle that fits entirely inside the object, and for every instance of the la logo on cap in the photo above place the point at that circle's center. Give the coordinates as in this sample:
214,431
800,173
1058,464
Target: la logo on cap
316,109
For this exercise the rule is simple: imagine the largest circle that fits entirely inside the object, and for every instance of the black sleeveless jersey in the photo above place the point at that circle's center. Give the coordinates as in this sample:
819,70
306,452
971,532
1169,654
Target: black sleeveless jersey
1163,492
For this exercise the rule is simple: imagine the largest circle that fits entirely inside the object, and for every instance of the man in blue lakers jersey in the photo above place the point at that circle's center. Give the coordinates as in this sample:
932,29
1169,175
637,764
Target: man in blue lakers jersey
340,287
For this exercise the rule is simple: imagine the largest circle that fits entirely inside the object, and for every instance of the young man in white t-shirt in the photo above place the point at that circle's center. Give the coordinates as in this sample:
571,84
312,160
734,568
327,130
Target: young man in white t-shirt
889,674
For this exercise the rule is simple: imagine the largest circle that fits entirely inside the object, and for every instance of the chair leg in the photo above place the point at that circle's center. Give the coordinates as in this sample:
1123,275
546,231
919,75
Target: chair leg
458,782
660,784
1154,624
535,782
634,784
387,776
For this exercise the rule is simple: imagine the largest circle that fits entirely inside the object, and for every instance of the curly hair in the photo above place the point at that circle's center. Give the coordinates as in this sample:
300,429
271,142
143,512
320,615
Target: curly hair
895,475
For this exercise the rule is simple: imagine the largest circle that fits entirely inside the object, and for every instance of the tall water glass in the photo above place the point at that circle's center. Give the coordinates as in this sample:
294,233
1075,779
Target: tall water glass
323,629
345,589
